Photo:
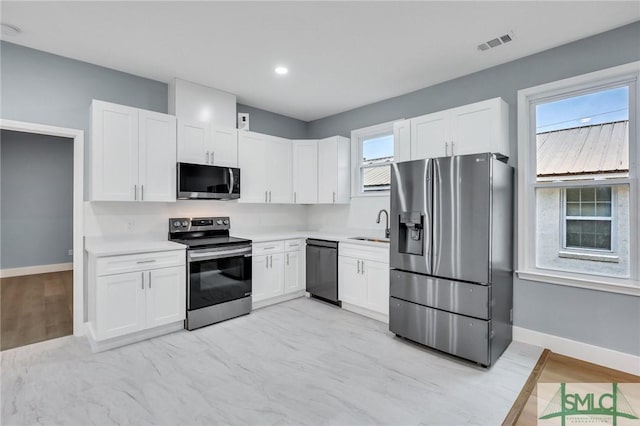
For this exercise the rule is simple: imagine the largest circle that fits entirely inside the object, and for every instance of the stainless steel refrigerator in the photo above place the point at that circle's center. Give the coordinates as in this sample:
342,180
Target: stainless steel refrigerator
451,255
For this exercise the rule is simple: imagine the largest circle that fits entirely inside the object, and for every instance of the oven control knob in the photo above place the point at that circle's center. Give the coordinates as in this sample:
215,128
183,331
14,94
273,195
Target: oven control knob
219,222
226,221
176,224
185,223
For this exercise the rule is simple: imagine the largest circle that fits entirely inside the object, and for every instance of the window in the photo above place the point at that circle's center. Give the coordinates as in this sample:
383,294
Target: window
577,174
588,214
372,150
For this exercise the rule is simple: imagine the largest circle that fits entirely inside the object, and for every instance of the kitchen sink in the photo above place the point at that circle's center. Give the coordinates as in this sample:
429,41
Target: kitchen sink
375,240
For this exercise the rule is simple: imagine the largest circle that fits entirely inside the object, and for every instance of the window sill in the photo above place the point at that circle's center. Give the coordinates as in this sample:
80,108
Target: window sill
611,285
595,257
377,194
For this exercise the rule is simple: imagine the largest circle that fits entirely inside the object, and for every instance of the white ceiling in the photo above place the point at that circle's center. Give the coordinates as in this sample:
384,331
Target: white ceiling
341,55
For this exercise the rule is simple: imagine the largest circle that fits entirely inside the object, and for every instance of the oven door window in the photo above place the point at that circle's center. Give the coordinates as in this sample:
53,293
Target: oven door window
218,281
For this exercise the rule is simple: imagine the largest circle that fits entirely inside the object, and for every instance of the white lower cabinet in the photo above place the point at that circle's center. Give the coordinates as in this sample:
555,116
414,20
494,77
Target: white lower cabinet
363,280
133,294
277,271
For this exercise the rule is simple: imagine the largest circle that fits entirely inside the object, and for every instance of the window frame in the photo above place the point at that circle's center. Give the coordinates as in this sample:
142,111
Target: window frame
357,165
628,74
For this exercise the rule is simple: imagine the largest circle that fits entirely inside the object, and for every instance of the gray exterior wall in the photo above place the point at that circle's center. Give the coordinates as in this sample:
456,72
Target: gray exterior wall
36,175
599,318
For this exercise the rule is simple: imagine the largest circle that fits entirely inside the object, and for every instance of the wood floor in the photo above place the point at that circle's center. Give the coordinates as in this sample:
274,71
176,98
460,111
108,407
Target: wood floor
35,308
556,368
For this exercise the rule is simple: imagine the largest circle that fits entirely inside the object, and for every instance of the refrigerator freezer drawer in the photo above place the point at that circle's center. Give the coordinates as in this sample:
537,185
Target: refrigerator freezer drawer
455,334
454,296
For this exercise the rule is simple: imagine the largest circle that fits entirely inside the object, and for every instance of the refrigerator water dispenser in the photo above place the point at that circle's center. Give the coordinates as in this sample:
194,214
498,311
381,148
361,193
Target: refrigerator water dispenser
411,233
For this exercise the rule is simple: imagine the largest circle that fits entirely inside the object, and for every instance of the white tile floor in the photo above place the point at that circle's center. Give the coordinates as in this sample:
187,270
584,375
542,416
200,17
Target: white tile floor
300,362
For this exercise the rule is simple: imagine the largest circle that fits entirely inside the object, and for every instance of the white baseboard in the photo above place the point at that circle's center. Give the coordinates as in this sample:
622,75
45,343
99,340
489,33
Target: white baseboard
33,270
366,312
584,351
105,345
277,299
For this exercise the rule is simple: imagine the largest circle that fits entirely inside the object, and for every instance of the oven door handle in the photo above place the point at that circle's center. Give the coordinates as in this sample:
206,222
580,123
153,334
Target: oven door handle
246,252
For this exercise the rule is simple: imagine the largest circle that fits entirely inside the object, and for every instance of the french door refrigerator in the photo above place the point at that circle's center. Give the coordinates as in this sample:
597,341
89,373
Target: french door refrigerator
451,277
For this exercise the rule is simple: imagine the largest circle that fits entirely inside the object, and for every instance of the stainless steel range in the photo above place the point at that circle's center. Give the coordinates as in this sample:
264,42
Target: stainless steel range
218,270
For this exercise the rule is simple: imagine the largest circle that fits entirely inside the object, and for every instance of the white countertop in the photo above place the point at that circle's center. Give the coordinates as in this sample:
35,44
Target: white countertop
259,237
117,246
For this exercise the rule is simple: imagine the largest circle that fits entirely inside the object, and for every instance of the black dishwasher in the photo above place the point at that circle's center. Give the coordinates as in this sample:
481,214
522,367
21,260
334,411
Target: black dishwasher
322,269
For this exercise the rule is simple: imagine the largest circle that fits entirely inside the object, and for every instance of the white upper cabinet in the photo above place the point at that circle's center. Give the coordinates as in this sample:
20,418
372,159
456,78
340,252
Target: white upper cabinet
252,150
157,156
402,140
334,170
278,162
224,146
265,168
132,154
305,171
469,129
204,143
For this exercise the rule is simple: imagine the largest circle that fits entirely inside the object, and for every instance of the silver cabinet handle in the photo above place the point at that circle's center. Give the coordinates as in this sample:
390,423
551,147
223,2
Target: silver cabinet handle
452,154
362,268
334,197
287,259
269,196
212,156
446,149
358,267
207,157
142,275
135,192
145,261
142,192
294,197
266,196
149,279
266,263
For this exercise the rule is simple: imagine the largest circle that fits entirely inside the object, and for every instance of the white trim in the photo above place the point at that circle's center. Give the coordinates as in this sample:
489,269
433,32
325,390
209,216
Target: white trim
278,299
78,196
366,312
34,270
105,345
357,135
595,354
526,236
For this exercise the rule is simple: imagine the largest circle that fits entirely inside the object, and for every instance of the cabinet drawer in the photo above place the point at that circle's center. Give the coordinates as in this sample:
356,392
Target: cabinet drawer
268,247
454,296
293,245
362,252
139,262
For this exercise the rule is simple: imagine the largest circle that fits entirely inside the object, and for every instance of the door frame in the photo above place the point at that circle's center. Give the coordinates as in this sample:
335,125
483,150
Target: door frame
78,198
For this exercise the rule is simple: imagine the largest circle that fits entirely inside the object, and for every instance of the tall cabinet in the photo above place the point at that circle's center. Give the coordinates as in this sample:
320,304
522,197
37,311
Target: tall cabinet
334,170
132,154
305,171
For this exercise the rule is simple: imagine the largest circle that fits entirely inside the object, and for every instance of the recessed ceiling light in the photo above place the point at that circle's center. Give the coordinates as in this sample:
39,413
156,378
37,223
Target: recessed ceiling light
282,70
10,30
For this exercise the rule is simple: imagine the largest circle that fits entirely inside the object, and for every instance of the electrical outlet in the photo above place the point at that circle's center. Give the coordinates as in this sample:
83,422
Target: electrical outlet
131,226
70,252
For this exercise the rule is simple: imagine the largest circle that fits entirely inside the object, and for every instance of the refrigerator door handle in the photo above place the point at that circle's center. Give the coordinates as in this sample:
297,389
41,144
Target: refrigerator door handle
434,215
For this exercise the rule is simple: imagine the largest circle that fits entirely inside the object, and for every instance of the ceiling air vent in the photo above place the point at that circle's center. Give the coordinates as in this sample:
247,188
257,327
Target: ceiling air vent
498,41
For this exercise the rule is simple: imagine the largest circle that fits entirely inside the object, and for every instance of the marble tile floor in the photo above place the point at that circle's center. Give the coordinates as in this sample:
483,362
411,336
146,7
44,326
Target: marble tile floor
299,362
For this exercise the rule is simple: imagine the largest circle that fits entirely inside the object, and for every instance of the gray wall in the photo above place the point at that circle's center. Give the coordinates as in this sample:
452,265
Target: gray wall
36,175
595,317
270,123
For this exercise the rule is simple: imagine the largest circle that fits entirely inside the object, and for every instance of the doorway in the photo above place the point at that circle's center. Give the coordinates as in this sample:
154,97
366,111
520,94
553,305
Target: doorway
36,236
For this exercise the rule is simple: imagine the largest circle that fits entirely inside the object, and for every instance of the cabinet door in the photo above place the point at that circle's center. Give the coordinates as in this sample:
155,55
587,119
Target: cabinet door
430,136
293,271
157,152
351,282
473,128
114,152
259,277
193,142
402,140
327,170
120,304
166,296
276,274
377,275
305,171
252,150
224,149
279,170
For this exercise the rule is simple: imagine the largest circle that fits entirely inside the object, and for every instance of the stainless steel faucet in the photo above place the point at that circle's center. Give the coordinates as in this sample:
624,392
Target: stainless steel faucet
387,232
